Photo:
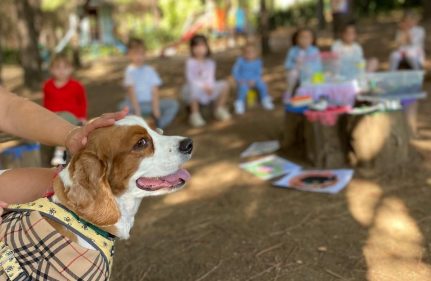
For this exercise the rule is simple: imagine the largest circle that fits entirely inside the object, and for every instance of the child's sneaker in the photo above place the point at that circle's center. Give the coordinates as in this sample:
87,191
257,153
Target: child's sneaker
196,120
239,107
222,114
58,158
267,104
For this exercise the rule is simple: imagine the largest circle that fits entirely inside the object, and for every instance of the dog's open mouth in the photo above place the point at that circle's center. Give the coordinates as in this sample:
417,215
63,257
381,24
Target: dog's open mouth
172,181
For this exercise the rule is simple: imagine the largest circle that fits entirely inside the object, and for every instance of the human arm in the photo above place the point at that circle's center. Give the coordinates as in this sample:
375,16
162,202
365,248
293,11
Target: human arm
236,70
28,120
417,36
155,102
289,63
28,184
136,107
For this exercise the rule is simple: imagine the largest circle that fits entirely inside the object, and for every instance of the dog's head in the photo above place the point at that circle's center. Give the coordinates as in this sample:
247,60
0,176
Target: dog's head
127,159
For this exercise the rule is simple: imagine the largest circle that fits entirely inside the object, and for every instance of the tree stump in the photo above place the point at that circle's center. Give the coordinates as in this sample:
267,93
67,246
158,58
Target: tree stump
373,143
379,142
327,147
323,146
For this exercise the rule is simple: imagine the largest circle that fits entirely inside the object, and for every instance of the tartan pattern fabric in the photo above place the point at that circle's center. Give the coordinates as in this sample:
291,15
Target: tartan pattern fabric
63,216
44,254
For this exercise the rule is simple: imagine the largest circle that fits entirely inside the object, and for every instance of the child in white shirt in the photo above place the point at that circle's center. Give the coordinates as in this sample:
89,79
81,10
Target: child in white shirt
410,40
351,55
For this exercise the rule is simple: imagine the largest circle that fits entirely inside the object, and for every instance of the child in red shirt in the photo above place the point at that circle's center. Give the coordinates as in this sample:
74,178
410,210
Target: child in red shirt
64,96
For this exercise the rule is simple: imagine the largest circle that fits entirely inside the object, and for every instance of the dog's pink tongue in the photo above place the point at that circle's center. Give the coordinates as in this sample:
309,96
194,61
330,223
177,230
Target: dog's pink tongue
181,174
166,181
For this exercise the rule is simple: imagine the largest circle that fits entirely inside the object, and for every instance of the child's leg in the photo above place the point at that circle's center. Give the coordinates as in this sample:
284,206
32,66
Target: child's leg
264,96
262,89
194,107
26,184
168,111
223,87
411,114
242,92
195,94
395,60
414,62
372,65
292,80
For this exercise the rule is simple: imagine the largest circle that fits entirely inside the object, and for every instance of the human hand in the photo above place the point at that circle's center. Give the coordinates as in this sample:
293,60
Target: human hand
77,138
208,90
251,83
3,205
156,113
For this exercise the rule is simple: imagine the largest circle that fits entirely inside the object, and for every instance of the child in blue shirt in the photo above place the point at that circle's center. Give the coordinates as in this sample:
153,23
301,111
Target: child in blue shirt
303,59
247,72
142,83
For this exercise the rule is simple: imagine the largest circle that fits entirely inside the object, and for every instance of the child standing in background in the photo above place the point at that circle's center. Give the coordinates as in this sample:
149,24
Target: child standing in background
142,83
410,40
247,72
202,84
64,96
302,61
350,54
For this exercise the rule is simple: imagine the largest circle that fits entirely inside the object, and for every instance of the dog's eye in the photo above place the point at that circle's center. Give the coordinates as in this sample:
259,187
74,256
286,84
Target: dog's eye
141,144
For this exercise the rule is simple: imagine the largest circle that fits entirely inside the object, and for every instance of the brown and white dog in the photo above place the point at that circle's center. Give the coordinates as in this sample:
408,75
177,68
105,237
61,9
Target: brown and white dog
96,195
106,181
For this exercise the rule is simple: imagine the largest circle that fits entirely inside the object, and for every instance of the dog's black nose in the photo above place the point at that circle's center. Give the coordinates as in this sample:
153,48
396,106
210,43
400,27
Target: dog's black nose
186,146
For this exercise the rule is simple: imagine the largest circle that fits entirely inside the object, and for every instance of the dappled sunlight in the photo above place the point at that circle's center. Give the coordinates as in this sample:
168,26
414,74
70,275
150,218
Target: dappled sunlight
363,197
377,128
394,248
395,245
209,181
423,145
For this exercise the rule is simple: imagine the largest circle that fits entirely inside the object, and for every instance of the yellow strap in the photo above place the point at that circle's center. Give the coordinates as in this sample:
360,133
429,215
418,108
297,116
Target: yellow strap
9,263
56,212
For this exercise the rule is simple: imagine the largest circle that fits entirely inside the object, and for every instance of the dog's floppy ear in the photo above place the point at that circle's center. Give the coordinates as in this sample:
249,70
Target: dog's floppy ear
89,194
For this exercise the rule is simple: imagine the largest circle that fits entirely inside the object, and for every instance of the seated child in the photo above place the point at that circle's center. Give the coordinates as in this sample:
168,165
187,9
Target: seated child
350,54
142,83
65,96
247,72
202,84
302,61
410,40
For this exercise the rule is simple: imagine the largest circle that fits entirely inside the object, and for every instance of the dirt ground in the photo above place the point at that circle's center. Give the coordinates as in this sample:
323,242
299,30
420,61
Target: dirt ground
229,225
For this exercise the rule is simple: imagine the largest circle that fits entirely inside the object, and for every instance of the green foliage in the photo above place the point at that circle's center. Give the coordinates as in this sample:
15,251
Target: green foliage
10,56
174,15
298,14
52,5
382,6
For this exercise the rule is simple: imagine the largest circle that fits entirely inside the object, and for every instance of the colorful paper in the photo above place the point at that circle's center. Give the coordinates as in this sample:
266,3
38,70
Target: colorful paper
322,181
270,167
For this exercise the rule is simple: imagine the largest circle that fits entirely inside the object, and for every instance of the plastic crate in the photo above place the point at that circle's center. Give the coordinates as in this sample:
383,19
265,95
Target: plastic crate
393,83
329,67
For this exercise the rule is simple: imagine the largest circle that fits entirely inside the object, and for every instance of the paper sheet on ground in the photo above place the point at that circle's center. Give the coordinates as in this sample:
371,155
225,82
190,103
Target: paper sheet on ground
270,167
324,181
261,147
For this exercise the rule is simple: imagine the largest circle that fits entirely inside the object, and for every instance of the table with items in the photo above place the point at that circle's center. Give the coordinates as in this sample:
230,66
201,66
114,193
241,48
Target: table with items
356,121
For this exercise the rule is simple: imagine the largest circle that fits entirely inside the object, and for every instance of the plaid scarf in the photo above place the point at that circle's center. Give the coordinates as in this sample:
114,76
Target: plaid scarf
31,249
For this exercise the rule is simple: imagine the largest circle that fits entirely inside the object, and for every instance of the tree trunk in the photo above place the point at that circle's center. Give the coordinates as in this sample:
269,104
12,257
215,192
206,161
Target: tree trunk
29,34
321,14
1,58
264,27
426,9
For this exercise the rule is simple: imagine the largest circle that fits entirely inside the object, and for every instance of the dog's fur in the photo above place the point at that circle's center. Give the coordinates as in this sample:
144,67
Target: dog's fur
100,184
